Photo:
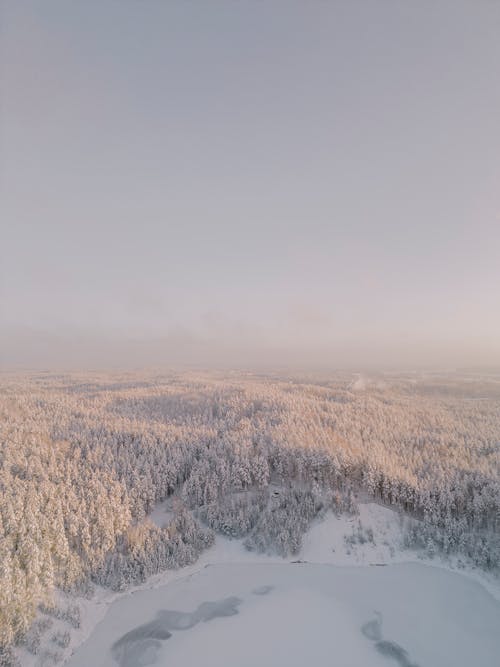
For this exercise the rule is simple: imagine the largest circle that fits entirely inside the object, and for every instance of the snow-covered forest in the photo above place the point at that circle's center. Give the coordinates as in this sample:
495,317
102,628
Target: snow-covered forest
84,459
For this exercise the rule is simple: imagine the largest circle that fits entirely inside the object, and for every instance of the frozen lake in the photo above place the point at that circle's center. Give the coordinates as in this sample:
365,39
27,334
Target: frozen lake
301,614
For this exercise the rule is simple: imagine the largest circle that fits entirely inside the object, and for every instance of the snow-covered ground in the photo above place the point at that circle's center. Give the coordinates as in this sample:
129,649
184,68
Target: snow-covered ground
322,609
162,514
326,541
335,540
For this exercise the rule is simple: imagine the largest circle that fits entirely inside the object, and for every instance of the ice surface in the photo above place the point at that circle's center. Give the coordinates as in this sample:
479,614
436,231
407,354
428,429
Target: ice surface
404,615
140,645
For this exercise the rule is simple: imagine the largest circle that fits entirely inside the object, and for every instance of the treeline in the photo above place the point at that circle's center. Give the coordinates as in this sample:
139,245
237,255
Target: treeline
83,461
146,549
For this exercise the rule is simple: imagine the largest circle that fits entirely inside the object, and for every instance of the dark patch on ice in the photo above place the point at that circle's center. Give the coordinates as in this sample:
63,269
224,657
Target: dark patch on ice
153,630
176,620
209,610
262,590
373,631
140,646
392,650
137,654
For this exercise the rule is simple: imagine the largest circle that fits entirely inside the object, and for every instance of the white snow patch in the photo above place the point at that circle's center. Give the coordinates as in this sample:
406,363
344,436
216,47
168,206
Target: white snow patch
162,514
326,540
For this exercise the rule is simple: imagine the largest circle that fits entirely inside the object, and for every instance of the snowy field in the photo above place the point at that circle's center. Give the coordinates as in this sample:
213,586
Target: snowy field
344,603
251,614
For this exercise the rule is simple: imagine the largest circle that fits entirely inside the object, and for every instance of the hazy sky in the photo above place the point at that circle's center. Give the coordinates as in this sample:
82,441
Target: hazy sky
250,181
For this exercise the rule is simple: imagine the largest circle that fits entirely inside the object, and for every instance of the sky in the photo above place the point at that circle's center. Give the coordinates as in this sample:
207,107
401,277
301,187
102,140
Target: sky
244,183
